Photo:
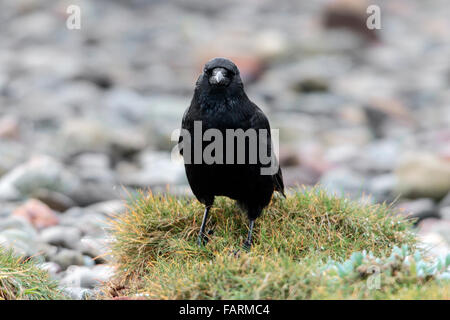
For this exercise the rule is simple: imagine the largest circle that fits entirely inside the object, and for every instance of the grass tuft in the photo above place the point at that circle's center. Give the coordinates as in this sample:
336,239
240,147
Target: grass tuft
24,280
154,246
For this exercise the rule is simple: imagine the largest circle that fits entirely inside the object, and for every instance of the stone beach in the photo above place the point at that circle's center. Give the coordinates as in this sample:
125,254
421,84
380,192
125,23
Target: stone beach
86,116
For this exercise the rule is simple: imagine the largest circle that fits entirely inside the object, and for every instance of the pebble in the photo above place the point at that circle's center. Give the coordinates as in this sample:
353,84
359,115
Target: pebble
66,258
37,213
77,293
17,233
444,213
96,248
445,202
107,208
423,175
41,172
62,236
9,127
18,240
434,244
421,208
156,169
343,182
383,186
436,226
84,277
349,14
51,267
13,153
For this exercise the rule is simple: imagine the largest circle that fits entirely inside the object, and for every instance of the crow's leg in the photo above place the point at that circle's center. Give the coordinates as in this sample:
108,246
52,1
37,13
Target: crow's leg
202,237
248,242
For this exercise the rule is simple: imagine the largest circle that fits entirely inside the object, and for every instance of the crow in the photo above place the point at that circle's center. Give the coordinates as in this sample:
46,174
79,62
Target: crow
220,103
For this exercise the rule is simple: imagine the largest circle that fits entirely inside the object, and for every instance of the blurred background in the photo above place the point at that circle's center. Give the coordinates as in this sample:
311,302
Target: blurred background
86,115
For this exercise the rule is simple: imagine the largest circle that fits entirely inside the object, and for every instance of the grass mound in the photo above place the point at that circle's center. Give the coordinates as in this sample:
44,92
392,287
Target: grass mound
24,280
157,255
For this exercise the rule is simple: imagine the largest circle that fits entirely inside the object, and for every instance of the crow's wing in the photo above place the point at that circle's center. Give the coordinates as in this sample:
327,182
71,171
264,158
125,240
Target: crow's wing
278,182
259,121
184,126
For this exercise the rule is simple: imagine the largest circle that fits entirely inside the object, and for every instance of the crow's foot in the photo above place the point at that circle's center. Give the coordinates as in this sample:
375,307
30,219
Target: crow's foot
247,246
202,239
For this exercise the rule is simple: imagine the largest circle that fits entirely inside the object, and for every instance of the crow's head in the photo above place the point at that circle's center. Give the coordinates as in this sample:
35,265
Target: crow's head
220,75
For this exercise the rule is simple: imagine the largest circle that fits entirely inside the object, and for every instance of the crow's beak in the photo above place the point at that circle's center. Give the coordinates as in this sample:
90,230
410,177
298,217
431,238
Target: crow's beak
219,77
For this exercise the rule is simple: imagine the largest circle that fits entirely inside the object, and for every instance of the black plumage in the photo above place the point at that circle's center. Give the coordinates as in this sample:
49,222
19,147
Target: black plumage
220,102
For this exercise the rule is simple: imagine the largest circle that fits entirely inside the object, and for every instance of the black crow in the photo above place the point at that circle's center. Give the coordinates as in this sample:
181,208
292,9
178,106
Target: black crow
220,103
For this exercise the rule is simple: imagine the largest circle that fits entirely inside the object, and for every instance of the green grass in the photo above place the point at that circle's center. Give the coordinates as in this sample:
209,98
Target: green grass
23,280
157,255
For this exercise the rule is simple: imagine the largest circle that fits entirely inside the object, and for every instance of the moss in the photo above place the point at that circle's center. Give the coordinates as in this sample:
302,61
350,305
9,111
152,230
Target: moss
154,246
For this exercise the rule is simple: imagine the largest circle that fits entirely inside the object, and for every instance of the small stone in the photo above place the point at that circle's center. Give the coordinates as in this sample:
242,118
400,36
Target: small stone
51,267
101,80
445,202
343,182
300,175
108,207
94,167
37,213
90,192
349,14
78,293
12,154
311,85
270,44
289,158
95,248
9,128
7,208
17,233
21,242
422,174
420,208
41,172
17,222
438,226
444,213
379,157
157,169
433,243
382,186
67,257
85,277
47,250
63,236
93,160
90,223
84,136
129,105
88,261
55,200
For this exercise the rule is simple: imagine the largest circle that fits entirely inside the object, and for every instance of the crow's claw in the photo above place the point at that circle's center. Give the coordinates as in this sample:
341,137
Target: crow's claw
247,246
202,240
